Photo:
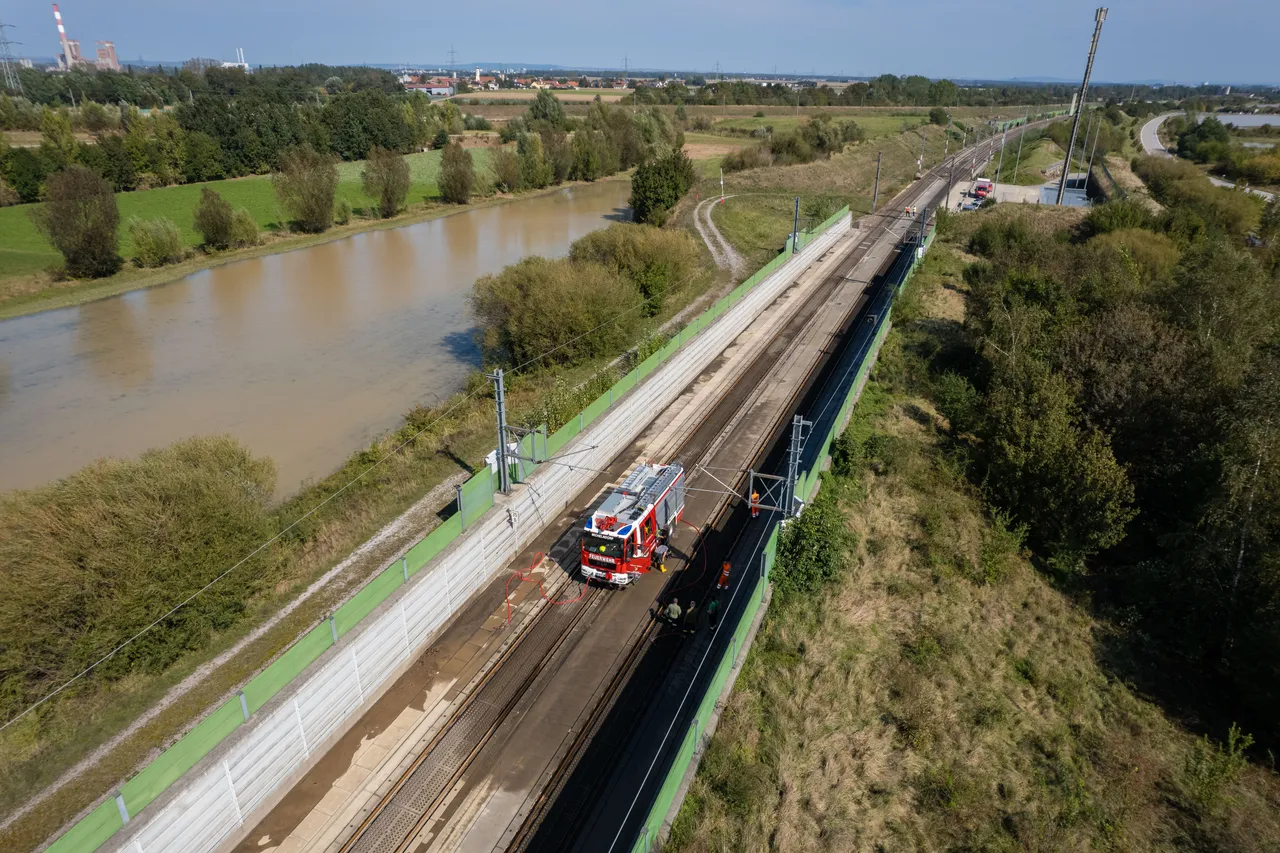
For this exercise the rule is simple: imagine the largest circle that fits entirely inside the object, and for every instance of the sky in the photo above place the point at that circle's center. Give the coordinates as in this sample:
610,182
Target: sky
1169,40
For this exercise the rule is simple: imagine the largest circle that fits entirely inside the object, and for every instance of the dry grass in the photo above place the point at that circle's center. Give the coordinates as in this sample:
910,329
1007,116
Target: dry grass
942,695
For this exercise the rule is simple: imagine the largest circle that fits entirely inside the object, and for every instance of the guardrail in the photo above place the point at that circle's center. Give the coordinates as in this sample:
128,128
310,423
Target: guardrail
221,799
866,346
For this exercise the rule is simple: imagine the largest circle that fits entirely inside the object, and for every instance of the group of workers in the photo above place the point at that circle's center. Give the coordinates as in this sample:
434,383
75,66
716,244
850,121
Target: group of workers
686,618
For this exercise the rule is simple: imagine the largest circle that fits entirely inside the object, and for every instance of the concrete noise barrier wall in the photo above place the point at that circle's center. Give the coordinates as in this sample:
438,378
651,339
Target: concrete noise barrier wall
236,762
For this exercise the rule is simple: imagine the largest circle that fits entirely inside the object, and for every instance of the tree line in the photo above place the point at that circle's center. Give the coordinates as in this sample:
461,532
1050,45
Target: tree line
81,217
1116,392
217,136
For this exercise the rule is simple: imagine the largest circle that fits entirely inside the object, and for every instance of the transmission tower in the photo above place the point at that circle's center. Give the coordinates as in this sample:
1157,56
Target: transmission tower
10,66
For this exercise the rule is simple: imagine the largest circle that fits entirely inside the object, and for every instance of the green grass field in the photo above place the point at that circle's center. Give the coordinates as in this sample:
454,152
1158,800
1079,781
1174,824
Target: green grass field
873,126
1036,157
24,251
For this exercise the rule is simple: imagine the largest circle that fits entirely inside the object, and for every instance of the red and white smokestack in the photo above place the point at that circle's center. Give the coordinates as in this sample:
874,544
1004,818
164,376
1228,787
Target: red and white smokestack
62,37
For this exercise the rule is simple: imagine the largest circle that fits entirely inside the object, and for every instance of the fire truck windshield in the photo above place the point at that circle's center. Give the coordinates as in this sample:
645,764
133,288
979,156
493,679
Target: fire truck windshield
606,546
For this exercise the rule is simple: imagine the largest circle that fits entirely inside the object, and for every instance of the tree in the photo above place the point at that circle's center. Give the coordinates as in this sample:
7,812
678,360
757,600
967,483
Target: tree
562,308
535,171
306,185
457,174
506,171
938,115
80,217
57,142
201,158
587,162
555,147
546,107
658,185
213,217
27,170
386,179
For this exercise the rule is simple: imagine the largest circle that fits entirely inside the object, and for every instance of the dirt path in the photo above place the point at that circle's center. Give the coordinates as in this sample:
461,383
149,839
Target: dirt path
722,252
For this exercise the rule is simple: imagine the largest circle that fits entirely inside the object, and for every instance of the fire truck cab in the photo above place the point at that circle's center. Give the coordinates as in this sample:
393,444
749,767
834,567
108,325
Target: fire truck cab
619,538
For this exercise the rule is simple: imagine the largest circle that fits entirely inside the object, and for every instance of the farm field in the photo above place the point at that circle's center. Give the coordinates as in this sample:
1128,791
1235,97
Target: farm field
24,251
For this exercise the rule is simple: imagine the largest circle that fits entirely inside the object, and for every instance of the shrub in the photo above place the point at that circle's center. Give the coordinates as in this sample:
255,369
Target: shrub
386,179
1209,770
214,218
156,242
654,260
342,211
1116,215
812,548
306,185
573,310
80,217
91,559
457,174
441,139
244,229
506,171
751,157
8,195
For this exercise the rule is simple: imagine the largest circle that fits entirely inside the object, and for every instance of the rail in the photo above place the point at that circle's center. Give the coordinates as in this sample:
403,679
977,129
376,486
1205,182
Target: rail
867,345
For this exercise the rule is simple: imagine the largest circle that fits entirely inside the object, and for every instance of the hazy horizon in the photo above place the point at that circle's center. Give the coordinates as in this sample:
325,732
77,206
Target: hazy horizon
986,39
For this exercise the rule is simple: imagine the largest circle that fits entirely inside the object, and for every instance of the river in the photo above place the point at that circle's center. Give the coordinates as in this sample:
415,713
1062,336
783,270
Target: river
304,356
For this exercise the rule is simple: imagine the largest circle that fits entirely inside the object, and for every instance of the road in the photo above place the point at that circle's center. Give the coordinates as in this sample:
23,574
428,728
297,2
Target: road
1152,145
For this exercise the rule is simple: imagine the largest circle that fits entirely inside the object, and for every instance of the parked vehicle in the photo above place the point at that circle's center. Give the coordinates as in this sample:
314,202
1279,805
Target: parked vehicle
619,538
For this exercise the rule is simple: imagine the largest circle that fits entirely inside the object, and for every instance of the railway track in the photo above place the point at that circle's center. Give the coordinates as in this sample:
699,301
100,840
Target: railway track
427,788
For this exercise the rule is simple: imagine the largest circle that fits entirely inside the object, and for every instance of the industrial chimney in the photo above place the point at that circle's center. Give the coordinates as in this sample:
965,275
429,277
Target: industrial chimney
67,58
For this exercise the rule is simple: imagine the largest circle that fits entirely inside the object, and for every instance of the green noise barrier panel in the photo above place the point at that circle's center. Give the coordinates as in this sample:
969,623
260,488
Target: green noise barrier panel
181,757
288,666
93,830
477,496
437,540
363,602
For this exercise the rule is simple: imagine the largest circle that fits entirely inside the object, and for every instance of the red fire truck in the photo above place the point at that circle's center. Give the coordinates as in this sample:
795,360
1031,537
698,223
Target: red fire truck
982,187
619,537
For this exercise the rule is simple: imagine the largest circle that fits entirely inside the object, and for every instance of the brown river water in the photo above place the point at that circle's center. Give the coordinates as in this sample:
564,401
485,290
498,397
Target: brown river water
304,356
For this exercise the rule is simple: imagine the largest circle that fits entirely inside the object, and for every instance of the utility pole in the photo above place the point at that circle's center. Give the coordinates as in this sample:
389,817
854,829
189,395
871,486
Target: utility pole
920,159
795,229
1000,162
500,397
798,427
951,179
875,196
1098,17
10,67
1021,137
1089,170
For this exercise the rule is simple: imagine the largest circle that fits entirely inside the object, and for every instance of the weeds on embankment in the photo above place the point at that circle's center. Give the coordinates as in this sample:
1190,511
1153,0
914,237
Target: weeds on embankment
940,694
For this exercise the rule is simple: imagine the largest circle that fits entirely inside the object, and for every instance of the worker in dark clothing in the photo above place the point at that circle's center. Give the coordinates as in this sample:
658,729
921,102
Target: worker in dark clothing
672,613
660,555
691,618
713,612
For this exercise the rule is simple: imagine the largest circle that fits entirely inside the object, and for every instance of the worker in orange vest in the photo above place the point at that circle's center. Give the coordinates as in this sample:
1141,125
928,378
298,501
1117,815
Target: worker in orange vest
724,576
755,504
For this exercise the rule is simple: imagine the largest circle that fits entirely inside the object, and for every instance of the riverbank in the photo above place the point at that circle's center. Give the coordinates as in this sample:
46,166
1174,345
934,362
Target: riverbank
22,295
